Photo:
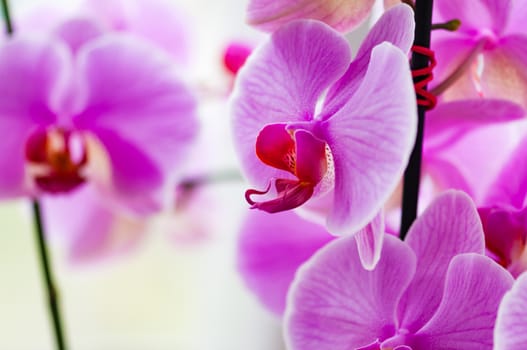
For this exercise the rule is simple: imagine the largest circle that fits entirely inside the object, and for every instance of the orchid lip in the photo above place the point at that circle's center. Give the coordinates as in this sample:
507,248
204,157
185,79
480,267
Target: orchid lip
297,152
56,159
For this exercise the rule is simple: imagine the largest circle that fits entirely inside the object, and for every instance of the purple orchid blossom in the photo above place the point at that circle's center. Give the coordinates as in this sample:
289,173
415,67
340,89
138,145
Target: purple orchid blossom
435,291
352,150
504,214
486,56
105,112
509,333
343,15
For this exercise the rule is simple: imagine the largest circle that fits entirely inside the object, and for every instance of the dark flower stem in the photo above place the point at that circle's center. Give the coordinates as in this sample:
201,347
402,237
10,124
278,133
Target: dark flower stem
45,264
7,18
40,235
412,175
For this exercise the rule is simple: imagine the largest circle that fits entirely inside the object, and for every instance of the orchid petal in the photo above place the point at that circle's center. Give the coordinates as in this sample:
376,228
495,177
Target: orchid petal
449,226
281,82
509,333
130,99
510,187
370,139
32,78
504,73
369,242
270,250
505,234
77,32
491,14
343,15
395,26
155,20
446,175
465,318
456,74
334,303
90,228
469,114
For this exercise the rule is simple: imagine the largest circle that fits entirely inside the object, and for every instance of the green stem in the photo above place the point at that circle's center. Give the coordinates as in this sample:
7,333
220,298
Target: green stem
47,273
7,17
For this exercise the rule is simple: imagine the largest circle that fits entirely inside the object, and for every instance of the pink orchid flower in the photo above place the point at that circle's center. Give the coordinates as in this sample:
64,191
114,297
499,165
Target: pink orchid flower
435,291
504,214
350,150
105,112
343,15
509,333
486,56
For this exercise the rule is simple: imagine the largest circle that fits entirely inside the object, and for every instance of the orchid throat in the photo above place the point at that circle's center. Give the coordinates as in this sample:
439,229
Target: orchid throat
299,153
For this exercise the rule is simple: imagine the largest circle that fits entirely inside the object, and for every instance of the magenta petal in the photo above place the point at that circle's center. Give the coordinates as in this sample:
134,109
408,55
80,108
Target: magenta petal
78,31
446,175
155,20
504,73
469,114
395,26
32,77
132,101
281,82
335,304
343,15
510,186
505,233
491,14
90,228
465,318
509,333
369,242
371,138
270,250
449,226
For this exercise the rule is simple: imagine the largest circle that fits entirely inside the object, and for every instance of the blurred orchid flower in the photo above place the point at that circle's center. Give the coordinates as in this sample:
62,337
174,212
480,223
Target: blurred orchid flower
486,55
452,139
156,21
107,110
343,15
504,214
509,333
434,291
325,126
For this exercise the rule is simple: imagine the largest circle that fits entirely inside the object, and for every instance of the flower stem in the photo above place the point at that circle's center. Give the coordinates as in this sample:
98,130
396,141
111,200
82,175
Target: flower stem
7,18
39,231
45,264
412,175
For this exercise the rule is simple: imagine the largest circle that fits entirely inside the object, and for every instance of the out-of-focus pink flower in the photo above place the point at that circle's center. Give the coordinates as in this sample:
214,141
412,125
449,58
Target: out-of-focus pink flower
504,214
486,56
434,291
509,333
343,15
354,149
105,110
157,21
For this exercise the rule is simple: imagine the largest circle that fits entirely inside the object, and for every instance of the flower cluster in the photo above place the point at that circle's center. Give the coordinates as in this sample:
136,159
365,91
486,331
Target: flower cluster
98,116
